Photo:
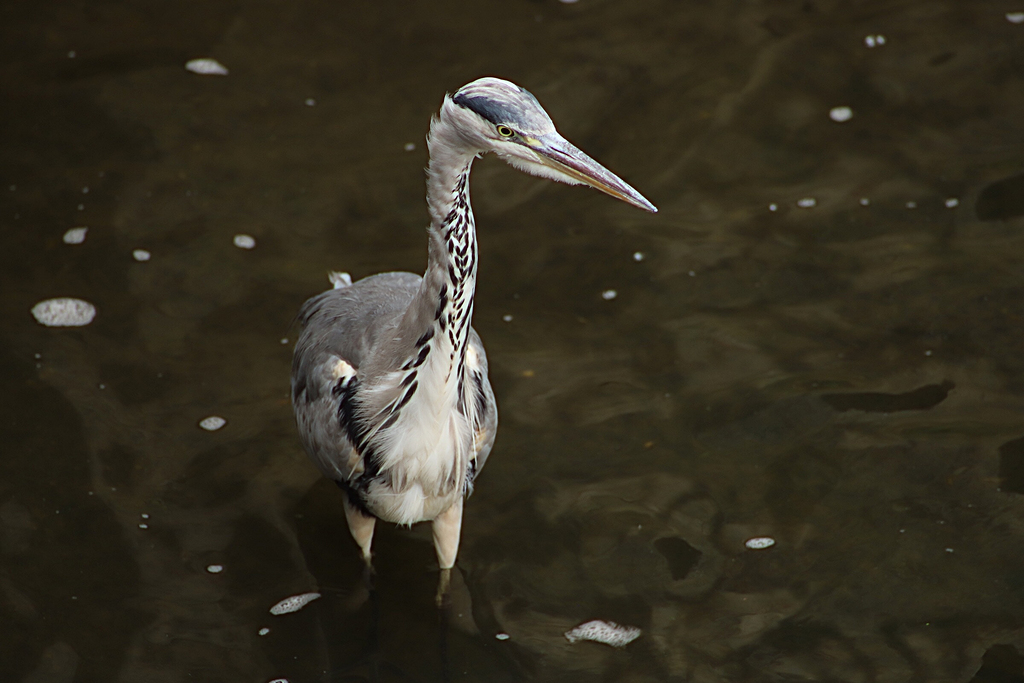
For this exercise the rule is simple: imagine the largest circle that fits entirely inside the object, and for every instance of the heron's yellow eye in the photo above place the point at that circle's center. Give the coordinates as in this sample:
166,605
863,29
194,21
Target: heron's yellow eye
505,131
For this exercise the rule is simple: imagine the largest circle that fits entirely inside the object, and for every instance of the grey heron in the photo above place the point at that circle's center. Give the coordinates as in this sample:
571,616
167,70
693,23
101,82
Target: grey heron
389,379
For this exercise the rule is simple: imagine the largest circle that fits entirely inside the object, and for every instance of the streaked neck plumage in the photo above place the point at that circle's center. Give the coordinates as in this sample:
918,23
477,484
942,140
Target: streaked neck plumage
450,279
422,408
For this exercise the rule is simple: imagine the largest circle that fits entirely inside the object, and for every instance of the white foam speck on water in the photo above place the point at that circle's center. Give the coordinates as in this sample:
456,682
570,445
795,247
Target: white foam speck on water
410,146
807,202
294,603
864,201
143,526
502,636
952,203
279,680
310,102
607,632
638,256
1015,17
206,66
840,114
245,241
263,631
64,312
773,207
874,41
609,294
212,423
75,235
759,542
141,255
911,205
215,568
507,317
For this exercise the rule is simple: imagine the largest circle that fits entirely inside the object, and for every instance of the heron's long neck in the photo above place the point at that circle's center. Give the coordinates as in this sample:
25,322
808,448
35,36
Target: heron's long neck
449,283
421,396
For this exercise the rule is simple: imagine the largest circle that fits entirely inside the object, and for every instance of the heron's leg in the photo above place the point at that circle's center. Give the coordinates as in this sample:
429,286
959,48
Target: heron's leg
447,528
444,582
444,624
360,525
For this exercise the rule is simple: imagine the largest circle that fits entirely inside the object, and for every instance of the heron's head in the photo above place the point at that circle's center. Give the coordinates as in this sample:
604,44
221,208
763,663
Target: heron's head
498,116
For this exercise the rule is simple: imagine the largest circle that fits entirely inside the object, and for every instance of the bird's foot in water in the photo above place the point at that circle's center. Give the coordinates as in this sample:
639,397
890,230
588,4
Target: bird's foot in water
444,581
363,589
369,575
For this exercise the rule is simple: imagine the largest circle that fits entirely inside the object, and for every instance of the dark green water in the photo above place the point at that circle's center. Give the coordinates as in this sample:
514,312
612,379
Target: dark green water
845,378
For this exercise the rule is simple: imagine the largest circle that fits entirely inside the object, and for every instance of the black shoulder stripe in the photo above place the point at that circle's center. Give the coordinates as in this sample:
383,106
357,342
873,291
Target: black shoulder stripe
347,418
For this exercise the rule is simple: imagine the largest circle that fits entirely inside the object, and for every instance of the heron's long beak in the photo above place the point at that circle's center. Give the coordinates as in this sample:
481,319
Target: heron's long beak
561,155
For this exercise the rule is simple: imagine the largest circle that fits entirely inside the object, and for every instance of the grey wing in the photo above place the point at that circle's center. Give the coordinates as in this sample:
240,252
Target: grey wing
340,329
486,426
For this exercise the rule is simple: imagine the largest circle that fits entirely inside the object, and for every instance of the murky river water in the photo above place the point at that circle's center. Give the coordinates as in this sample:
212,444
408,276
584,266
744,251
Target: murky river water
817,341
